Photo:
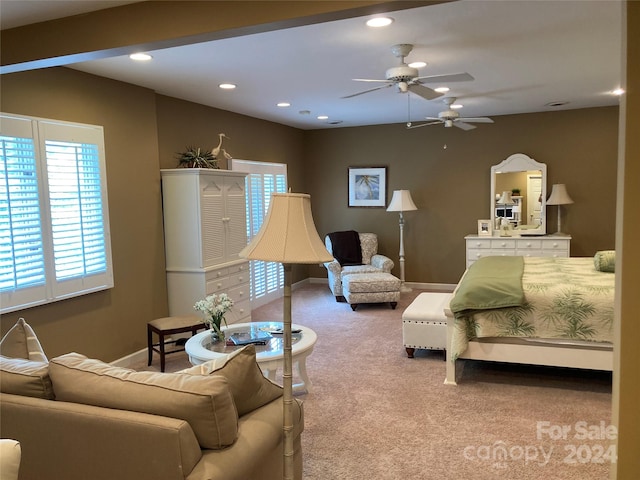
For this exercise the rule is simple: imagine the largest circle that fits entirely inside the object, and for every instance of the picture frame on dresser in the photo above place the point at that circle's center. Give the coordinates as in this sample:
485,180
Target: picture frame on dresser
485,228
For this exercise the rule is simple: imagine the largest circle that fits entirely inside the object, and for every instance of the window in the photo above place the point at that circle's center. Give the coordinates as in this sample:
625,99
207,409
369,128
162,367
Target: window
54,227
267,278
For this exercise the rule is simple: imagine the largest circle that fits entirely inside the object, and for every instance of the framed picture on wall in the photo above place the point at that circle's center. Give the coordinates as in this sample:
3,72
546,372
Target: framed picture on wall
484,228
367,186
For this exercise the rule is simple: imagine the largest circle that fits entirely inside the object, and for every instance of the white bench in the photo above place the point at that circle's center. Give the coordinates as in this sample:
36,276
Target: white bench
424,323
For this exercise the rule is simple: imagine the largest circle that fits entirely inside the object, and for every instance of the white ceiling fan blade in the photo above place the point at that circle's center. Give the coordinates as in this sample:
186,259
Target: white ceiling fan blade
454,77
367,91
413,125
424,92
476,119
370,80
463,126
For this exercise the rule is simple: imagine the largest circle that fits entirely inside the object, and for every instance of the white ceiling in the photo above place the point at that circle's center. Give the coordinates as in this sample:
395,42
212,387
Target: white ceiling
523,55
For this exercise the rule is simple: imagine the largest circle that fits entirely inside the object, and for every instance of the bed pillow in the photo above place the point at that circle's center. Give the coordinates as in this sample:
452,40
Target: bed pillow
21,342
605,261
205,402
250,388
20,376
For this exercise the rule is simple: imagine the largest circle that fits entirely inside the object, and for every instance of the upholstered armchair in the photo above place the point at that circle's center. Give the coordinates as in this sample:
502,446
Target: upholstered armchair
372,261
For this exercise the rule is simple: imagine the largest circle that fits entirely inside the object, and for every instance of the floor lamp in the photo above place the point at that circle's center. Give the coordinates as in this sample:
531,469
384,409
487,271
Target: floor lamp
559,197
402,202
288,236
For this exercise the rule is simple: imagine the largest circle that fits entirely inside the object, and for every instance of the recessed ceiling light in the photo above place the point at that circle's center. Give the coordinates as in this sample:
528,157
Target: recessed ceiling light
284,104
227,86
418,64
140,57
456,106
617,91
379,21
322,117
442,89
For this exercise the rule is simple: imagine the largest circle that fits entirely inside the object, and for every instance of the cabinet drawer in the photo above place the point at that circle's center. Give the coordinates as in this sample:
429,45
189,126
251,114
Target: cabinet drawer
478,243
497,244
528,244
217,285
556,245
473,255
239,267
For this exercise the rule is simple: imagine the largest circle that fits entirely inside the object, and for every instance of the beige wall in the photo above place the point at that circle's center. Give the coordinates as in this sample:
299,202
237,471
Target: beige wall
450,186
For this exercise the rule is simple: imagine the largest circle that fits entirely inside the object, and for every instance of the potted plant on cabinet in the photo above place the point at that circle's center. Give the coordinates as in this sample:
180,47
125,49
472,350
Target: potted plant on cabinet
197,158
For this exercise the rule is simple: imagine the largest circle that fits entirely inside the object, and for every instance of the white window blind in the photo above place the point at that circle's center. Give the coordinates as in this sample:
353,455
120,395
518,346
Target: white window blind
264,179
54,228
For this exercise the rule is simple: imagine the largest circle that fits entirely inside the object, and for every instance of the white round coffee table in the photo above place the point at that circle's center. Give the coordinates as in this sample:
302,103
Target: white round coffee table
270,357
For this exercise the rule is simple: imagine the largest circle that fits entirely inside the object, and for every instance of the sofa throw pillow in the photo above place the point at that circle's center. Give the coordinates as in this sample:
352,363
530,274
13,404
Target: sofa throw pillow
205,403
20,376
605,261
21,342
250,388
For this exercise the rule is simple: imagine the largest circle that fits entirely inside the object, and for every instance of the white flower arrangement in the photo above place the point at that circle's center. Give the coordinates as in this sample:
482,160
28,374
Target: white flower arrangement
214,308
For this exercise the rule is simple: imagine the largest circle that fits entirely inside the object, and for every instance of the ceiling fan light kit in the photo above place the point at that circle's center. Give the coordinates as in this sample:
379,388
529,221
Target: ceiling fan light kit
451,118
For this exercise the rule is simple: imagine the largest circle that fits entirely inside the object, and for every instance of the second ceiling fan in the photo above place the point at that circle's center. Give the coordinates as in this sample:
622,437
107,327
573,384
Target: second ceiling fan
451,118
407,78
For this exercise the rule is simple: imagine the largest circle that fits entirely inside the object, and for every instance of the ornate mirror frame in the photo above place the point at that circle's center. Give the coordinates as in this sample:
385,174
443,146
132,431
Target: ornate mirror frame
519,162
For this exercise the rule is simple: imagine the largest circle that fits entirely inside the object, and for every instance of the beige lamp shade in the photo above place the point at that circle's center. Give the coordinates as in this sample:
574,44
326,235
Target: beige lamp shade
505,199
559,195
401,202
288,234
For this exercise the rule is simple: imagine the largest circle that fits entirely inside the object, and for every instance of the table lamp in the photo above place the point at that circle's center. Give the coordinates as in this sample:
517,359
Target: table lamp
559,197
288,236
402,202
505,200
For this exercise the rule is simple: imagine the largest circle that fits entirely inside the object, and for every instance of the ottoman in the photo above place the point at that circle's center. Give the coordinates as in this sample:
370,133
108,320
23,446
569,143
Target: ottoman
371,288
424,324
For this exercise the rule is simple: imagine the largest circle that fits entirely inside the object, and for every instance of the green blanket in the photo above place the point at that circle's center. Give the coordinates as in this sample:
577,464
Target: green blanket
491,282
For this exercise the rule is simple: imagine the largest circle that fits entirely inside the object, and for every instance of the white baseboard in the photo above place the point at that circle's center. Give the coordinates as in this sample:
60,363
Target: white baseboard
131,359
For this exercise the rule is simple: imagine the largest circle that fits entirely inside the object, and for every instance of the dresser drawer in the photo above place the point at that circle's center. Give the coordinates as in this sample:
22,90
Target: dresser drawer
477,243
528,244
503,243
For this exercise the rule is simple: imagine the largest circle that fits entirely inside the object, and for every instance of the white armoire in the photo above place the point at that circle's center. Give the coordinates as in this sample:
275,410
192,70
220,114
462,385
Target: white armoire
205,227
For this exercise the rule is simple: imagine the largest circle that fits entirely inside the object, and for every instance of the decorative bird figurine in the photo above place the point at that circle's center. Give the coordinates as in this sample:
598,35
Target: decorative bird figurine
225,154
216,151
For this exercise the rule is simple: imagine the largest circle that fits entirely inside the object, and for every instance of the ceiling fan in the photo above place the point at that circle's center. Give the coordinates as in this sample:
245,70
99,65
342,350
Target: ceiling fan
406,78
451,118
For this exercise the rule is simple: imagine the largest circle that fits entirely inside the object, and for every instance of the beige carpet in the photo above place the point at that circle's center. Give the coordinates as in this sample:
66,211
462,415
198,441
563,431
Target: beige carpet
375,414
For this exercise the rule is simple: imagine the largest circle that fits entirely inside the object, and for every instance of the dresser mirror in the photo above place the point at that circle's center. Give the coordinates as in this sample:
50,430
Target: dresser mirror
526,181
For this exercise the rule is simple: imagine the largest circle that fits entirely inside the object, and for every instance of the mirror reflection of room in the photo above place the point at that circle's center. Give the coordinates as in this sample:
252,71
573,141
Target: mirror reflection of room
524,209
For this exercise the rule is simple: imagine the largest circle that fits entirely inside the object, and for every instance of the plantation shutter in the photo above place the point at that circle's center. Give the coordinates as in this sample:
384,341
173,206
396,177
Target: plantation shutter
264,179
53,213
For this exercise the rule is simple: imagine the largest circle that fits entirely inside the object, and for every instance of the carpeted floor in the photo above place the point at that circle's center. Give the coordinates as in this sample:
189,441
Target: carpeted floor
375,414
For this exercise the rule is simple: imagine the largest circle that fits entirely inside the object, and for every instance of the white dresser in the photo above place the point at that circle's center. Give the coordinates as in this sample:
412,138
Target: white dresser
535,246
205,228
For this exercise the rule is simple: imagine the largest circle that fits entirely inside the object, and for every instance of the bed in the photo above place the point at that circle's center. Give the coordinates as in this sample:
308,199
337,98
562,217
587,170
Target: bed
533,310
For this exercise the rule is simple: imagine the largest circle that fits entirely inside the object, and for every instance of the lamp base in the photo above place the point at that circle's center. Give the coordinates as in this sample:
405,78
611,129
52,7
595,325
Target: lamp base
405,289
560,234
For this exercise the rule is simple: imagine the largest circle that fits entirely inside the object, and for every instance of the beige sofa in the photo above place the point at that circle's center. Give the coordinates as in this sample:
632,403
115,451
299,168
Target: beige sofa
77,418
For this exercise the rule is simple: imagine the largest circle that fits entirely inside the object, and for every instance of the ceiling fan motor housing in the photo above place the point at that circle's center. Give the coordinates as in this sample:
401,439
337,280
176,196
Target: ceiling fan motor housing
401,74
449,115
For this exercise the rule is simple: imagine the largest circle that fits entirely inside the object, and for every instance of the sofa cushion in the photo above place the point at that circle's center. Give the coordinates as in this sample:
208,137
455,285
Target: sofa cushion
25,377
203,401
21,342
250,388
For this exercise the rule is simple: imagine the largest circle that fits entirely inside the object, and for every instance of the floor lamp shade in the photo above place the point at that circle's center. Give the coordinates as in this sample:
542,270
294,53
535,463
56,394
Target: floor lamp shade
289,236
402,202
